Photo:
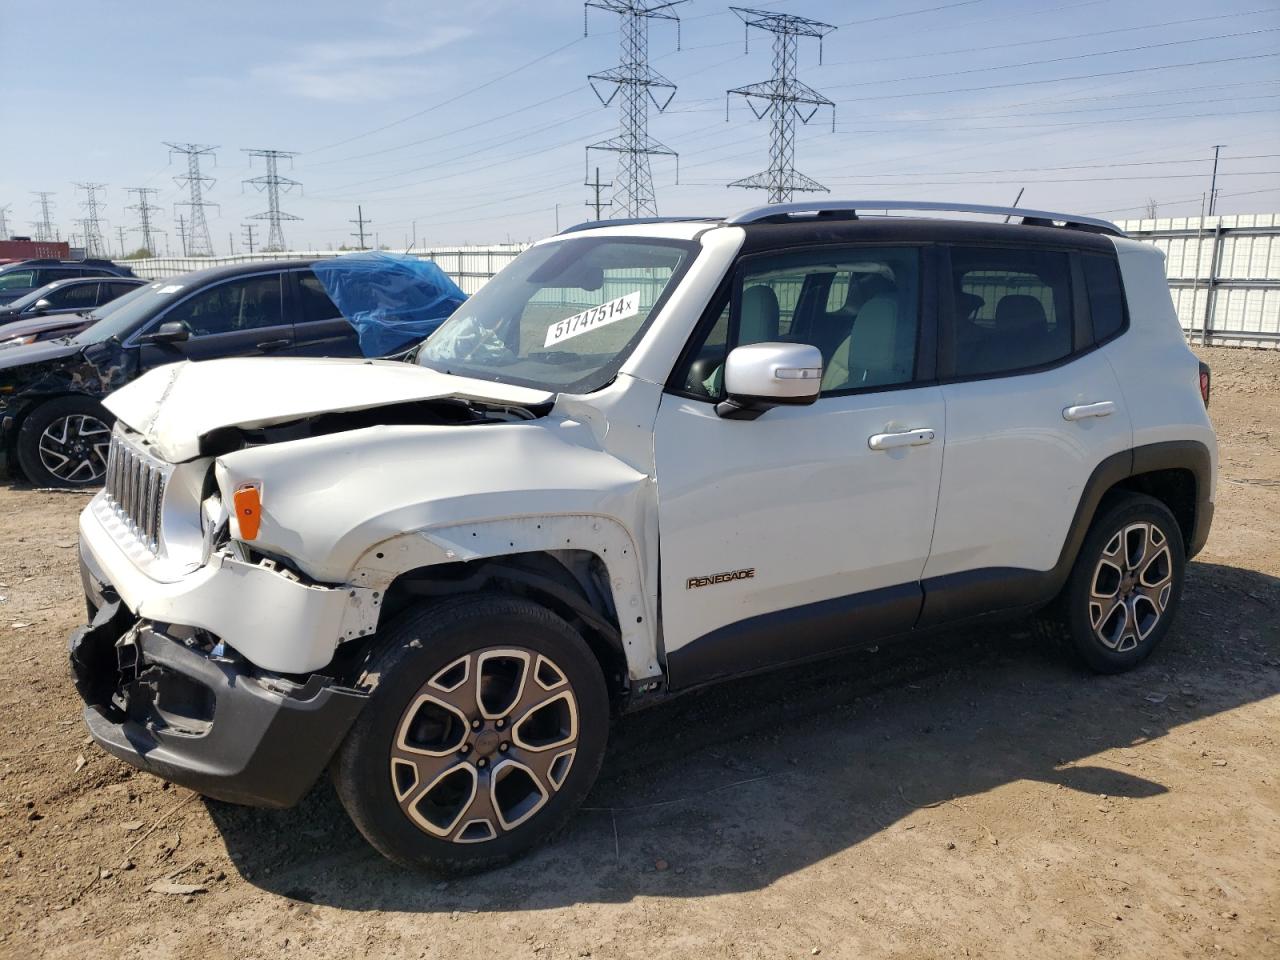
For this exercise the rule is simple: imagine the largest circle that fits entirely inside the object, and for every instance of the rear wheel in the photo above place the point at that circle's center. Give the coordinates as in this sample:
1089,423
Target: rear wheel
64,443
483,735
1126,584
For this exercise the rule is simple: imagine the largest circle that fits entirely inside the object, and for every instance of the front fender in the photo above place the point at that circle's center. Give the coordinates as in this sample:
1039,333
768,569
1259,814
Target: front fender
602,536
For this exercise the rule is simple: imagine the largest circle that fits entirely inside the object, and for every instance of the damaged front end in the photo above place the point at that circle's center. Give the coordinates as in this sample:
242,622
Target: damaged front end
178,703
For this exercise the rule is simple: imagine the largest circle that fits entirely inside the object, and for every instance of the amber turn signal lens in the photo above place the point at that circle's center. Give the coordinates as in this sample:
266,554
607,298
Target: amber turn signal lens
248,503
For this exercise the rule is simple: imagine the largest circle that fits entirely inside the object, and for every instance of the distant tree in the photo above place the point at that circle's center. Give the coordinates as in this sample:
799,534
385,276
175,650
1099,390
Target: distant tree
1152,209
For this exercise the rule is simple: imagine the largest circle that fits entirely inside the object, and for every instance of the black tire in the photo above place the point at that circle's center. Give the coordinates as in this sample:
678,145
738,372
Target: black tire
1087,616
425,645
87,440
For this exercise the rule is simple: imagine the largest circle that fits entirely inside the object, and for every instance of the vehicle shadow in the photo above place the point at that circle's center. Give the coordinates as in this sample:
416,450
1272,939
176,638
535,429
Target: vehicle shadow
755,779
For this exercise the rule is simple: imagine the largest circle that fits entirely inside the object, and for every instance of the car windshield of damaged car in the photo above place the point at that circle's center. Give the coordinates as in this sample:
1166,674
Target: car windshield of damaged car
563,316
121,316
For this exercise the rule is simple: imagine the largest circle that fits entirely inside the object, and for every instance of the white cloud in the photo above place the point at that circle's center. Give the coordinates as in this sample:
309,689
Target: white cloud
361,71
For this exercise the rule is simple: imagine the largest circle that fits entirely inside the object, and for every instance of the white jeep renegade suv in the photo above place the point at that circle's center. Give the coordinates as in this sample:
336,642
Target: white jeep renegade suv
644,457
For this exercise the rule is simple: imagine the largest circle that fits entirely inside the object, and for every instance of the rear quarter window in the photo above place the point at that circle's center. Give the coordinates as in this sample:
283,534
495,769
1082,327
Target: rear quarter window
1107,308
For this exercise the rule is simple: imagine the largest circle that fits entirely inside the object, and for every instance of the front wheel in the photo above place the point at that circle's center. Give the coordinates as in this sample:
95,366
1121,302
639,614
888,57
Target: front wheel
1126,584
64,442
484,734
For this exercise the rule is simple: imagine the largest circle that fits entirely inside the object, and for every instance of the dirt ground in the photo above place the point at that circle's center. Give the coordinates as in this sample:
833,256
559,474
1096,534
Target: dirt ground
978,796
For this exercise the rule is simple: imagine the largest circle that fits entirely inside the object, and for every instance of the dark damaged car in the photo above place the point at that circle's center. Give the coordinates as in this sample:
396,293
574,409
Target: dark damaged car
53,426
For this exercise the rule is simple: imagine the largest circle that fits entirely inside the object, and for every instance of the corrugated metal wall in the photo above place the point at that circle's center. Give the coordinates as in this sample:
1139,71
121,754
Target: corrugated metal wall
1224,274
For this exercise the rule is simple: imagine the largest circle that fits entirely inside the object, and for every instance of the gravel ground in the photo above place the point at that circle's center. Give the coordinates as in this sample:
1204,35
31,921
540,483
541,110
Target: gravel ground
977,795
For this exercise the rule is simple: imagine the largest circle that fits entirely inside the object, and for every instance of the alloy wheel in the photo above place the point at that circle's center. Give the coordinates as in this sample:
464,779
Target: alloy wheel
484,744
1131,586
74,448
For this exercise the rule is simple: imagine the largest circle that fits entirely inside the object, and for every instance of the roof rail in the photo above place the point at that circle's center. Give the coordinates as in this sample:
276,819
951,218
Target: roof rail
633,221
781,212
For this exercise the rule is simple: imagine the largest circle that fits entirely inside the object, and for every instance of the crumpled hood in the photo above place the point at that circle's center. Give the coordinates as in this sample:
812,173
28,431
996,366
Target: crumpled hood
176,405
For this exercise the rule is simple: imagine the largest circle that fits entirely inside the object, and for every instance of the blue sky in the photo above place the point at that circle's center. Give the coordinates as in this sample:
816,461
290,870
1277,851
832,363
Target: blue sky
467,121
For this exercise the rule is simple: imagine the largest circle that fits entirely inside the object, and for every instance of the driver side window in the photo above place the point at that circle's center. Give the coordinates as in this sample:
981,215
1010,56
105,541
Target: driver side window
859,306
230,307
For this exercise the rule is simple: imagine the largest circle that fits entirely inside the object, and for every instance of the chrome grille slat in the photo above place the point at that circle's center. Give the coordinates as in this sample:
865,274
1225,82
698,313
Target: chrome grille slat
135,490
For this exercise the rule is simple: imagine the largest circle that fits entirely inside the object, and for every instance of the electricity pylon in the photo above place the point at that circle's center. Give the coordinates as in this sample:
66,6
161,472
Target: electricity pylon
639,85
43,228
91,224
271,182
145,209
198,243
784,99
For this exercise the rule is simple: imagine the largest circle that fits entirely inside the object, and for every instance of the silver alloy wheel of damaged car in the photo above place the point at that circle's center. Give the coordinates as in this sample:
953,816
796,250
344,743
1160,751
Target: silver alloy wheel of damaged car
485,744
65,441
1124,589
74,449
485,728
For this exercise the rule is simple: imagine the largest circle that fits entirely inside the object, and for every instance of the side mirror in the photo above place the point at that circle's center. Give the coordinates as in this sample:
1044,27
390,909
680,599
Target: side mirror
763,375
174,331
41,306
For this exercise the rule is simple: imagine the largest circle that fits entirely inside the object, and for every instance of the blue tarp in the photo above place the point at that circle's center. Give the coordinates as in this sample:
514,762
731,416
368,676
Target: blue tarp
393,301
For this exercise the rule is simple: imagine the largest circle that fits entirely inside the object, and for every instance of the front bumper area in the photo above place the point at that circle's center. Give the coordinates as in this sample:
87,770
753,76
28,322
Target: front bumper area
170,706
276,621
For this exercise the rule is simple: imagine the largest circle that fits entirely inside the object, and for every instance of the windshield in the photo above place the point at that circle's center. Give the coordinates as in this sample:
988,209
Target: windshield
121,315
563,316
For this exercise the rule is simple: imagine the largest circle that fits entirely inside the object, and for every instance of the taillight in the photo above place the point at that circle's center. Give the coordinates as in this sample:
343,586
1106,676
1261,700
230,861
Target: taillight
1204,383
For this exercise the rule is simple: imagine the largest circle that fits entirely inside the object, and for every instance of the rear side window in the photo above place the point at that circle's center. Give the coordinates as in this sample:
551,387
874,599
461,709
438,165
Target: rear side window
113,290
316,304
1106,296
1013,309
74,295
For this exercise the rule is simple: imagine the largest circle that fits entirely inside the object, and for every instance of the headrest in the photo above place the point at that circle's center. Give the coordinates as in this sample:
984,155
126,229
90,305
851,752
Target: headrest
759,320
862,290
968,304
1017,311
874,338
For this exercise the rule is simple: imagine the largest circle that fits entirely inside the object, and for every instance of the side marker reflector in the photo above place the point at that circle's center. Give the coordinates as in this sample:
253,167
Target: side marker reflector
248,505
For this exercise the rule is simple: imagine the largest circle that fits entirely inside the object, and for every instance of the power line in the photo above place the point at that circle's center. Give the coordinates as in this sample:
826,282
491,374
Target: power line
197,242
1080,76
1027,43
249,239
908,13
444,103
639,85
271,182
1048,60
784,99
145,209
92,223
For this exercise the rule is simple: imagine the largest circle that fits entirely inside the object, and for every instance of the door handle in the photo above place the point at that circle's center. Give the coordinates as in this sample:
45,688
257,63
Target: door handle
1103,408
909,438
268,345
